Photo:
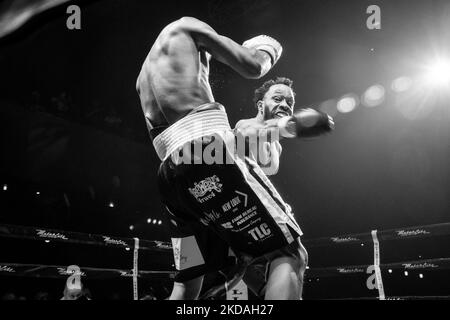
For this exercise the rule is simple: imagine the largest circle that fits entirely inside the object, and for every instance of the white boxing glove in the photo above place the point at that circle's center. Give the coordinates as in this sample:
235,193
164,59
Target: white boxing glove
266,44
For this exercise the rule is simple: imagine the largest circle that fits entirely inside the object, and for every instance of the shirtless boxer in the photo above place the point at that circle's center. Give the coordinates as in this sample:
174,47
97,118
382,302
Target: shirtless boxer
274,99
214,207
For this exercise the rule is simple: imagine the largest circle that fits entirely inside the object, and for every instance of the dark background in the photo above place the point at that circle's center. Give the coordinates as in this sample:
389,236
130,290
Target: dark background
71,122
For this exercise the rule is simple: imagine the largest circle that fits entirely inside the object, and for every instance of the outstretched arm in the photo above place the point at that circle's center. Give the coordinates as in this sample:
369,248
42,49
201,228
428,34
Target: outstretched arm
252,60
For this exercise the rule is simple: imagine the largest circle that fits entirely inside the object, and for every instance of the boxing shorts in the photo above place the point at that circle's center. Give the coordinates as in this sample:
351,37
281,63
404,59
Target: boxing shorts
212,208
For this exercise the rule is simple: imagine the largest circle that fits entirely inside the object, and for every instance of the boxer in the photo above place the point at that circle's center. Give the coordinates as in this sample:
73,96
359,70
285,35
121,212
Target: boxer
213,208
275,99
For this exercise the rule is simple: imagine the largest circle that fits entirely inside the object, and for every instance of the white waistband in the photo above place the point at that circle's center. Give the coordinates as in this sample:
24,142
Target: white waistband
191,127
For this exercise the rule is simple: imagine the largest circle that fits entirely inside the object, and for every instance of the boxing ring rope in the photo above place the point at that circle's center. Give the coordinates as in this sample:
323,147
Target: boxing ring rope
53,271
427,231
32,233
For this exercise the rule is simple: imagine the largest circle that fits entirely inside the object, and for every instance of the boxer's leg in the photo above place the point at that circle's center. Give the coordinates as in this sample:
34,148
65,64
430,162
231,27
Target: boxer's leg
255,276
286,275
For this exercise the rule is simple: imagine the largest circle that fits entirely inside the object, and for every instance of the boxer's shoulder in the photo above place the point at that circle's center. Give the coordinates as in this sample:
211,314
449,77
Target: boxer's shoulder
245,123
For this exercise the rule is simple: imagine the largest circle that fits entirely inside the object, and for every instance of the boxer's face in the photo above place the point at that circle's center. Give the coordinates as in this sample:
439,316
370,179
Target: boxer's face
278,102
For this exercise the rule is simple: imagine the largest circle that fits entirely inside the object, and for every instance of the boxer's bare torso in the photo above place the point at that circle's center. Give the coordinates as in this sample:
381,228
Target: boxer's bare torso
174,78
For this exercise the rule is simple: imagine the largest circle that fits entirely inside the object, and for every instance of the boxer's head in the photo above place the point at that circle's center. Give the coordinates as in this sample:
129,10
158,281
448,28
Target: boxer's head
275,99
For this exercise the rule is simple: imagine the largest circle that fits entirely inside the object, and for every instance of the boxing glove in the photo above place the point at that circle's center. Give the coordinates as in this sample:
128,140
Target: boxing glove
267,44
306,123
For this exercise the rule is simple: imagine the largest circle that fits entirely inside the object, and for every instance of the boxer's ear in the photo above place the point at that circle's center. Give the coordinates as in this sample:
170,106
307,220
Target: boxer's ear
260,106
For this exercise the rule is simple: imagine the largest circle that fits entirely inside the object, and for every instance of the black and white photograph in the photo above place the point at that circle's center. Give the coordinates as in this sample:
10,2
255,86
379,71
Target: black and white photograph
236,153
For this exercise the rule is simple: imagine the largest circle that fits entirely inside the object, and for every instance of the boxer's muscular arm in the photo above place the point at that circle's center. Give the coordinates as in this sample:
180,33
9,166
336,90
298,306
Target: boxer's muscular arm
306,123
247,62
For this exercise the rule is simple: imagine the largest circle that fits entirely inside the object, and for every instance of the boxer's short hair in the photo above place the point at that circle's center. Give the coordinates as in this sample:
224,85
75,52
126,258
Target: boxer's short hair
261,91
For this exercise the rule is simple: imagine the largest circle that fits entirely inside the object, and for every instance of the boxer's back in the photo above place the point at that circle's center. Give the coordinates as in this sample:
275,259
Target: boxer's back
174,78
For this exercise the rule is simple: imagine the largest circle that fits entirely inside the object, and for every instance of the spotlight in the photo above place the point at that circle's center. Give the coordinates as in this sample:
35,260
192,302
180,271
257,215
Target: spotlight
362,244
111,204
131,227
38,193
390,270
5,187
47,241
401,84
128,249
406,273
374,96
438,73
421,276
155,221
149,220
159,222
347,104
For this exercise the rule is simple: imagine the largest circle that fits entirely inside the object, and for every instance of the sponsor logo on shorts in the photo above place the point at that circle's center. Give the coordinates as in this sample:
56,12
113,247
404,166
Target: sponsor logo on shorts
227,225
204,190
209,217
260,232
403,233
231,204
45,234
109,240
7,269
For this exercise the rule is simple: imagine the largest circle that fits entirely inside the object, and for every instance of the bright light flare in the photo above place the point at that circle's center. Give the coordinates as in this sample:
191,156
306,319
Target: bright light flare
374,96
401,84
438,73
347,103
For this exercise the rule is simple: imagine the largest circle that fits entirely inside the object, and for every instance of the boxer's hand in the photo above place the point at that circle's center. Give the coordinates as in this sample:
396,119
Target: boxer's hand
312,123
266,44
306,123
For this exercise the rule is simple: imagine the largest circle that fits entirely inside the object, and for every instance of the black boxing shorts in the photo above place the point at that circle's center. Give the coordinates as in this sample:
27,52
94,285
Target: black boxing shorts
213,208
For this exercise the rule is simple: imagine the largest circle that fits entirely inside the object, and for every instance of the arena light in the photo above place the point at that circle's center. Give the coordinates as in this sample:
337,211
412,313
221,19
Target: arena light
38,193
149,220
390,270
438,73
111,204
374,96
159,222
347,103
406,273
47,241
128,249
155,221
131,227
5,187
401,84
421,276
